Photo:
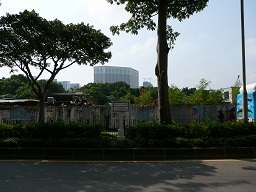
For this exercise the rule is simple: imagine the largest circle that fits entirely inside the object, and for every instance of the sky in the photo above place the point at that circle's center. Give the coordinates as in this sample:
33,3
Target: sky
209,45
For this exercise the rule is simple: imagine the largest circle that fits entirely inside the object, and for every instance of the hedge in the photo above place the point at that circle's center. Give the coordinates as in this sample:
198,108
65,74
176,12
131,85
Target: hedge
61,134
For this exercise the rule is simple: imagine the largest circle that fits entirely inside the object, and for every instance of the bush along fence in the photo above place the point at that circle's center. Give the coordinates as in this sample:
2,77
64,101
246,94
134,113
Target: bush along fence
142,135
144,141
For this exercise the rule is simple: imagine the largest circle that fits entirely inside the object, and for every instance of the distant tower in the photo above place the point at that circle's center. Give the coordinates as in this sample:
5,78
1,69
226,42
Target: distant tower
229,94
65,84
238,82
113,74
147,82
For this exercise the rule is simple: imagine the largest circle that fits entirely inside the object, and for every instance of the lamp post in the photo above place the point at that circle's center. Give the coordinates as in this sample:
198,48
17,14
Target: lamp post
245,101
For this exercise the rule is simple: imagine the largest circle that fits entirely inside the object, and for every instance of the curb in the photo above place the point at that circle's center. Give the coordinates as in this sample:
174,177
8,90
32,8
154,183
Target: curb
125,154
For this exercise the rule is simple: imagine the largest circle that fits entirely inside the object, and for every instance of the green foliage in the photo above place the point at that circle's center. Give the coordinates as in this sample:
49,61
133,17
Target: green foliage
176,96
148,96
208,134
145,99
109,135
188,91
54,87
11,131
29,41
195,96
24,92
9,142
120,91
198,130
51,130
17,87
62,142
214,97
149,131
59,129
143,11
129,97
6,131
235,92
60,134
203,84
9,86
107,92
150,134
202,95
53,134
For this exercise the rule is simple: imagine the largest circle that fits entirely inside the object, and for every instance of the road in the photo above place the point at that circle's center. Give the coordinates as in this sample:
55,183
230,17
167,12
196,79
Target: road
185,176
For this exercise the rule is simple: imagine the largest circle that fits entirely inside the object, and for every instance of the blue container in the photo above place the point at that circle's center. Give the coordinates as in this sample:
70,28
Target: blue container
251,106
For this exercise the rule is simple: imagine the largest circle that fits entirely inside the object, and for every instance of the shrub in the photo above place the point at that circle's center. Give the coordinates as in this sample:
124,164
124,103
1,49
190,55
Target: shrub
183,142
9,142
61,129
149,131
61,134
198,130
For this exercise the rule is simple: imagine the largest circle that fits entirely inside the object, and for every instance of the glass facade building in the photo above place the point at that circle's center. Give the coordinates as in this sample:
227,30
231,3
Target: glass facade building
111,74
65,84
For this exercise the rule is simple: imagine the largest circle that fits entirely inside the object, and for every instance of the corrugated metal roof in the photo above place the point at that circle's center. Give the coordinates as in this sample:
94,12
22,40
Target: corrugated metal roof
17,100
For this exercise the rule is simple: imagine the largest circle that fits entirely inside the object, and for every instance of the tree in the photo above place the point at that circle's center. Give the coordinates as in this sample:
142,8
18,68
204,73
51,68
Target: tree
143,12
235,92
145,99
129,97
203,84
176,96
25,92
215,97
28,41
10,85
106,92
147,96
97,92
188,91
54,87
205,96
17,87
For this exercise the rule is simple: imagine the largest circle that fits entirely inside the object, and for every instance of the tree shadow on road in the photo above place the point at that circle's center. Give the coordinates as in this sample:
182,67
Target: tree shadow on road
152,176
116,176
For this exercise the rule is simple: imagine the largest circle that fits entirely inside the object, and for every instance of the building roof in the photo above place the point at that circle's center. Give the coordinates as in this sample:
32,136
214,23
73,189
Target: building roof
21,102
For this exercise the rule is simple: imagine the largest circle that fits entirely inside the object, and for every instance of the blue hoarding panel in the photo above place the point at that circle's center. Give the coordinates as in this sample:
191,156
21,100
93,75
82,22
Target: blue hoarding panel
251,96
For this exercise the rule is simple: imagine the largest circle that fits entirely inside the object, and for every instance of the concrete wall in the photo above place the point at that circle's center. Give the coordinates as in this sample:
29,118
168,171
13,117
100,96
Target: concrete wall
104,115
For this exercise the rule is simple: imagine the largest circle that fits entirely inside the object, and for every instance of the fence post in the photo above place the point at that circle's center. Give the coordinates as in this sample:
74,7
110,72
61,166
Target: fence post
121,126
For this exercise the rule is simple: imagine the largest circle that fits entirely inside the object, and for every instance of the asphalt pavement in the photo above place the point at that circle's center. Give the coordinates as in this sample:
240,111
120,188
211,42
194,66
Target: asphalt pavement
74,176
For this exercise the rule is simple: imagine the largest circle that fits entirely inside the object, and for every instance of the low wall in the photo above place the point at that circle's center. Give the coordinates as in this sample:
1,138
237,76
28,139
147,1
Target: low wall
130,154
181,114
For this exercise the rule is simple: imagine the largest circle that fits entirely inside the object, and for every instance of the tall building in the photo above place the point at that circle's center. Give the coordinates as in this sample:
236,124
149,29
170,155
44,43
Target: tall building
74,86
65,84
111,74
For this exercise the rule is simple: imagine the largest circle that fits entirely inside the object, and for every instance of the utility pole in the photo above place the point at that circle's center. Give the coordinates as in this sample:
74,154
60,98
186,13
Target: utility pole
245,100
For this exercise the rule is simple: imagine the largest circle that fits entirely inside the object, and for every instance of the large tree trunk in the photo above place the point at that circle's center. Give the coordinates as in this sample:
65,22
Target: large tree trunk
41,118
162,63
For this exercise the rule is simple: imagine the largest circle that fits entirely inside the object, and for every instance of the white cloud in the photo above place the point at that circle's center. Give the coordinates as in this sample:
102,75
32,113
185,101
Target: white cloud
104,12
144,48
15,6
